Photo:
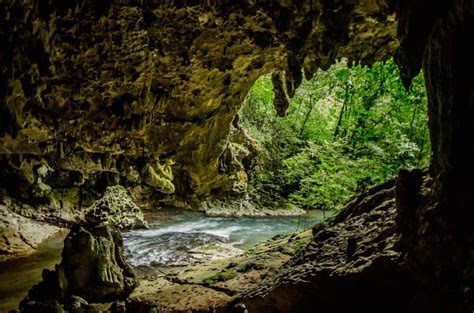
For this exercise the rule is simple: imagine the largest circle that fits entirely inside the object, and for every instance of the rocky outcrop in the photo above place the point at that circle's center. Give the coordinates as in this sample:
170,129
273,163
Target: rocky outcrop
115,208
93,265
92,271
356,256
20,235
366,254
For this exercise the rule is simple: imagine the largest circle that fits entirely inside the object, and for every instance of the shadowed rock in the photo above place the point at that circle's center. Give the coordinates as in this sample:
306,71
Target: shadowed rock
92,269
93,266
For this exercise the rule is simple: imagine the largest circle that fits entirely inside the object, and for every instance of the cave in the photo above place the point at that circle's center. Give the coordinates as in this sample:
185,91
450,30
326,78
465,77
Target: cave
146,94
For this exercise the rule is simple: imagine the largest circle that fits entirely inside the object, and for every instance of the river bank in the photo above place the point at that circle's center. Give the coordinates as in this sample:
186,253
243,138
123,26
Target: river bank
202,287
176,242
20,274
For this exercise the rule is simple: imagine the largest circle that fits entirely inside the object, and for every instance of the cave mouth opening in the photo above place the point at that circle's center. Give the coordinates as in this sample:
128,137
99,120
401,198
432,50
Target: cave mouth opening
346,130
430,223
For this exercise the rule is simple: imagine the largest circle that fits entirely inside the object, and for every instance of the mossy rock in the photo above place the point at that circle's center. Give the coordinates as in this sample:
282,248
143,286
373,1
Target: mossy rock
115,208
221,276
159,178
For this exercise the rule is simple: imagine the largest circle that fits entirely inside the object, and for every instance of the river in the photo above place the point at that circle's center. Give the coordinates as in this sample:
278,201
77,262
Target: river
170,241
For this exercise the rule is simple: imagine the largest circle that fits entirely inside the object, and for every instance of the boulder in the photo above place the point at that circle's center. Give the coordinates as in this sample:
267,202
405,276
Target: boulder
93,266
92,270
115,208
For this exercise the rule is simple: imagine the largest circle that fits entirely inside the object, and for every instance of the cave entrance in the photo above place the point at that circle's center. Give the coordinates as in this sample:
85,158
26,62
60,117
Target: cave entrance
347,129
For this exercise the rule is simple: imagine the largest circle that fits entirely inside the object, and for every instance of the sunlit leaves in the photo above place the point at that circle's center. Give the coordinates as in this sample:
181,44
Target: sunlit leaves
346,129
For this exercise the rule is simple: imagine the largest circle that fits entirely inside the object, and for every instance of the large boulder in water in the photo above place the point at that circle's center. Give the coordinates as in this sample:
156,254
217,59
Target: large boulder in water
92,268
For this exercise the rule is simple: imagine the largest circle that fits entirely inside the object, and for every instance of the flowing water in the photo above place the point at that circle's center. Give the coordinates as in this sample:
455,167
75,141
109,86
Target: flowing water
170,241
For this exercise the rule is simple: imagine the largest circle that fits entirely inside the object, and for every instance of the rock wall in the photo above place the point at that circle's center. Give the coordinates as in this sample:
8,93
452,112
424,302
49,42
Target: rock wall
19,234
438,234
368,258
94,94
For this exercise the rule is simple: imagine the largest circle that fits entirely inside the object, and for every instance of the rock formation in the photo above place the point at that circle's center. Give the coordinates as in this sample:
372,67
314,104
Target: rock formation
353,257
360,260
116,208
93,265
95,92
92,270
19,234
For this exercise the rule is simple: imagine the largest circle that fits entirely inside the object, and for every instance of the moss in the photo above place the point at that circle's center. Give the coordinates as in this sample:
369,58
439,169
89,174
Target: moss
116,208
159,178
301,243
251,251
209,247
245,267
221,276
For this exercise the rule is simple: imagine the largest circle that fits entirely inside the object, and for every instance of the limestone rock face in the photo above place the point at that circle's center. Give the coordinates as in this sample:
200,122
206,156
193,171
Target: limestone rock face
115,208
90,90
18,234
160,177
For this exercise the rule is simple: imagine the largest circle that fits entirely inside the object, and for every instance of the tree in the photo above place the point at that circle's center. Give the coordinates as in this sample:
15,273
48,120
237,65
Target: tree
346,129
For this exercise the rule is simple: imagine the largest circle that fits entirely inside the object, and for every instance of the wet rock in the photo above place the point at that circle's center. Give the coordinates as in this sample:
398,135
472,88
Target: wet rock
237,207
115,208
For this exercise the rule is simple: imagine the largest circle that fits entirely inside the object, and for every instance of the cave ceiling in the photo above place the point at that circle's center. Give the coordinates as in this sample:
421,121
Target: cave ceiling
93,87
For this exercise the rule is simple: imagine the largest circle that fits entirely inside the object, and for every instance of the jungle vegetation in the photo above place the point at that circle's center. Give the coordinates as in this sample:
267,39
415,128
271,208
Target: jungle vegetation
347,129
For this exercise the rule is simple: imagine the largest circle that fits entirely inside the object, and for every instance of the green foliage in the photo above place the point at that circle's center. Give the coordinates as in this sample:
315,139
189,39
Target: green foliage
221,276
346,129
